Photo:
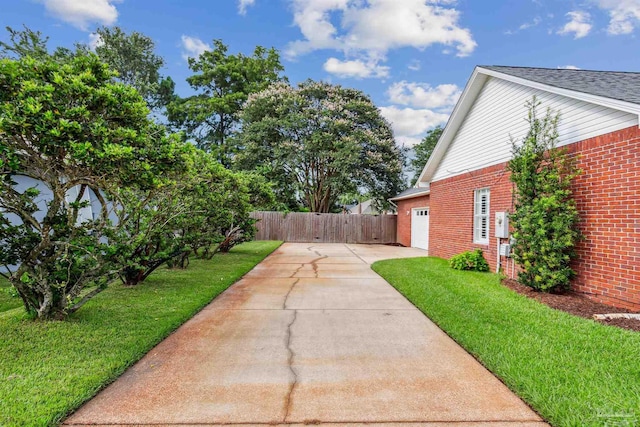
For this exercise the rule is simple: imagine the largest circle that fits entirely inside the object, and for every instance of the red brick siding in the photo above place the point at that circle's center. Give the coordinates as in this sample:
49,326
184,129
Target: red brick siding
404,219
451,214
608,198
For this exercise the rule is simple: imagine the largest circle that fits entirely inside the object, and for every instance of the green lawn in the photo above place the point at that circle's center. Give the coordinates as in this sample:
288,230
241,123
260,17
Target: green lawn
572,371
7,300
47,369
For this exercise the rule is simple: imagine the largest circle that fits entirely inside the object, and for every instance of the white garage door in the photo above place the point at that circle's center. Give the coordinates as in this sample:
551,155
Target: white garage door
420,228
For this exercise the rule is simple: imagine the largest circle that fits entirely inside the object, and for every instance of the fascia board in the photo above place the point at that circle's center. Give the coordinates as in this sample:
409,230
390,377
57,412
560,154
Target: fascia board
411,196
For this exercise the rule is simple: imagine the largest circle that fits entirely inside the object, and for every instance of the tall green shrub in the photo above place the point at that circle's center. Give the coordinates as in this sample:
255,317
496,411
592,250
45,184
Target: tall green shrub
72,135
545,218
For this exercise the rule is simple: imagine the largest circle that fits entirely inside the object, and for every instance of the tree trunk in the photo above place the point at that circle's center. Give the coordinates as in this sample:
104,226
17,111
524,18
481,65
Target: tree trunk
181,261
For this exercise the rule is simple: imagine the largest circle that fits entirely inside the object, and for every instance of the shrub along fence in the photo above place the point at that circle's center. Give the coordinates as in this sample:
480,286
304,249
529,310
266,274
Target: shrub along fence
325,228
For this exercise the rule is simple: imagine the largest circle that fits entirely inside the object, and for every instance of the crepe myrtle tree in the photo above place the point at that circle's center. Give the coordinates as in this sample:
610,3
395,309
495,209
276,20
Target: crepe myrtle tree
321,141
69,127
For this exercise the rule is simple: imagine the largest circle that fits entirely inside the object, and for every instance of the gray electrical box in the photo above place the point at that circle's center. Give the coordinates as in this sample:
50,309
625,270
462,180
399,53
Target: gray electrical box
502,225
505,250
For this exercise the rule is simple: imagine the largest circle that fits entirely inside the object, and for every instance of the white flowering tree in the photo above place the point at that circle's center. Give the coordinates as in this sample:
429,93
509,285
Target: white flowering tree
318,141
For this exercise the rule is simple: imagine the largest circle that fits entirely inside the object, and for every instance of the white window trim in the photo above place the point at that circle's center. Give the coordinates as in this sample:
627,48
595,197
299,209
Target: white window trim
477,216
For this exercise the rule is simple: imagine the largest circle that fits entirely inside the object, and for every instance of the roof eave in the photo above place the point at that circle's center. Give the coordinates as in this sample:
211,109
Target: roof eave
411,196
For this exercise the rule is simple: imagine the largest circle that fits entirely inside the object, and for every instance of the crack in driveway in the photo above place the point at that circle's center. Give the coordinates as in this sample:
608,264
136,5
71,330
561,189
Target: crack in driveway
292,385
286,297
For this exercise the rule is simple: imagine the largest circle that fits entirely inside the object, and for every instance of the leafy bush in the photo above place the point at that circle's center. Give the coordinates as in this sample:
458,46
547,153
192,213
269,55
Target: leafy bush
545,218
469,260
204,211
72,135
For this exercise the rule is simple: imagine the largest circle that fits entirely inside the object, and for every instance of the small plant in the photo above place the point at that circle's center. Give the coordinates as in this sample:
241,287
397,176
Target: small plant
469,260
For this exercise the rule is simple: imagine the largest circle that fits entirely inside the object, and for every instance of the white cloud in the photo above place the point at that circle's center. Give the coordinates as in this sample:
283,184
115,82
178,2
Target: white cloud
409,123
192,47
95,40
579,24
536,21
243,5
525,26
624,15
568,67
355,68
367,30
422,95
81,13
414,65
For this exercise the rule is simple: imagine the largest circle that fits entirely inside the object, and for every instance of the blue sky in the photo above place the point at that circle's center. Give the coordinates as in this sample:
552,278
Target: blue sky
413,57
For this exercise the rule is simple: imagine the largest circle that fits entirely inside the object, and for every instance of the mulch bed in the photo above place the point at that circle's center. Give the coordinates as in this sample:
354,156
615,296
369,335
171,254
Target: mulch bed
575,304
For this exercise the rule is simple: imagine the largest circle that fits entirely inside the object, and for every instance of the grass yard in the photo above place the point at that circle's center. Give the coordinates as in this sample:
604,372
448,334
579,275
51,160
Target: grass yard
572,371
47,369
7,300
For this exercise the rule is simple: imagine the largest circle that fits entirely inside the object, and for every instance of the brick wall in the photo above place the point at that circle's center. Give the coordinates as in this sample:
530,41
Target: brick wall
404,219
451,222
608,198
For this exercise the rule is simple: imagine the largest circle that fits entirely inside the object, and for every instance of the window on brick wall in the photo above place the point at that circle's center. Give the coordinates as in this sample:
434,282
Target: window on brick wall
481,216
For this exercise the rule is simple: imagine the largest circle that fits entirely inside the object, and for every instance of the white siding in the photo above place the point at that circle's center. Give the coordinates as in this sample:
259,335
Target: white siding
499,113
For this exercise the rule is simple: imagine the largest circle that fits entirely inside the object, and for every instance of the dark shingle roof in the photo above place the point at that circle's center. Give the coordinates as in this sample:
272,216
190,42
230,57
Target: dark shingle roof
623,86
409,192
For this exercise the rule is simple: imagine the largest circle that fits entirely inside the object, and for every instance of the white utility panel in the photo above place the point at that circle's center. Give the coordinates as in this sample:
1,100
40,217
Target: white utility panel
502,225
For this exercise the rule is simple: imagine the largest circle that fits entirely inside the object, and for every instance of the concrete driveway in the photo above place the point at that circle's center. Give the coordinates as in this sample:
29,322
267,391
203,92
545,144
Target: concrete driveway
311,336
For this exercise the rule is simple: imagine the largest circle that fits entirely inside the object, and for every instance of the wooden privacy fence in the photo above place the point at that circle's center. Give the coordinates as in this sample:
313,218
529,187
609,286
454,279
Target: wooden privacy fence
325,228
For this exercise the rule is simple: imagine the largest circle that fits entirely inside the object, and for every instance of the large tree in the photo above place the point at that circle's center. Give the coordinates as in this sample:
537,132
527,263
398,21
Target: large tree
74,137
133,57
222,83
320,141
27,42
23,43
423,151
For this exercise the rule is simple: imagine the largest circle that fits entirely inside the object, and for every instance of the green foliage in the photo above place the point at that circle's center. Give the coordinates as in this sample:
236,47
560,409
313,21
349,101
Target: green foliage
570,370
28,43
24,43
146,239
9,297
423,151
76,135
49,369
469,260
222,83
318,141
218,203
132,56
203,211
545,219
